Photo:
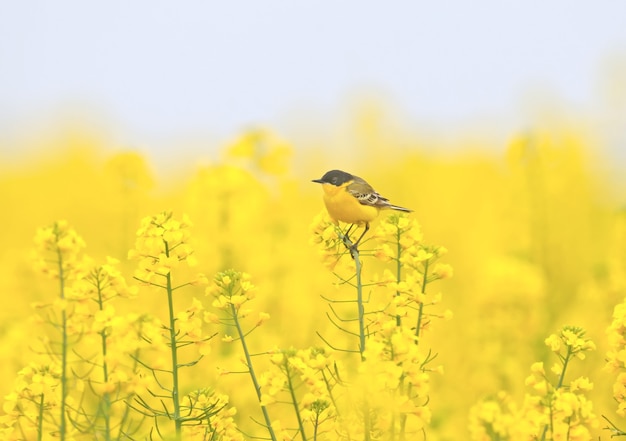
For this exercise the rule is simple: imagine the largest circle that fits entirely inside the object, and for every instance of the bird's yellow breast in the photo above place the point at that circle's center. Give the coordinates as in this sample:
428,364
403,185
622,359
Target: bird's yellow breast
344,207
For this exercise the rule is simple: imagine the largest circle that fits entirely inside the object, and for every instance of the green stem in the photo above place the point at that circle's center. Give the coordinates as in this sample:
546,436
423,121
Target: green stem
559,384
398,268
316,425
63,421
174,351
122,427
329,389
361,312
106,405
367,424
565,363
359,300
255,382
40,419
403,417
420,313
418,328
294,400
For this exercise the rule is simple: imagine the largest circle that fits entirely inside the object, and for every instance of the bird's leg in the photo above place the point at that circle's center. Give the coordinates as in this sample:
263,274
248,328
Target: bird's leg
356,244
347,233
346,237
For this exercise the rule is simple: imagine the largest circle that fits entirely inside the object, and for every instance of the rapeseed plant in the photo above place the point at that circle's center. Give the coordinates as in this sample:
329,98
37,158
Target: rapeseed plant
616,363
232,291
553,409
59,255
80,377
395,364
162,246
107,371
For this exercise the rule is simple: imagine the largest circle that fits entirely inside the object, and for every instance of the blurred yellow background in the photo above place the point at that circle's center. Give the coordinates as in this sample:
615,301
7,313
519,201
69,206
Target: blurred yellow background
535,231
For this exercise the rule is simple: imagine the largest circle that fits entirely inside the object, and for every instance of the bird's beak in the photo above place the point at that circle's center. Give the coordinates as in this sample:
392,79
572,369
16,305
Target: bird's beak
319,181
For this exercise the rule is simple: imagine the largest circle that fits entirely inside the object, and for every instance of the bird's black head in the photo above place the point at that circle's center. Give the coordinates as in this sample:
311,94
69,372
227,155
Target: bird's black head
335,177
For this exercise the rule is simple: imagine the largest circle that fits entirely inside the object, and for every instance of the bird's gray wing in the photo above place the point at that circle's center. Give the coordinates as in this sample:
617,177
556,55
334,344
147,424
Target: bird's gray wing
365,194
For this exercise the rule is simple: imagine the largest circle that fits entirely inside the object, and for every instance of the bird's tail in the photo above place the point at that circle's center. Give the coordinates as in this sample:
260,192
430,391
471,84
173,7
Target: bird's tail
397,208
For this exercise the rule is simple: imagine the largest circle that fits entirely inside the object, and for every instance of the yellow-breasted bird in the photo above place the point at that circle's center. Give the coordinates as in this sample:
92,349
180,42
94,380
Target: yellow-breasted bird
352,200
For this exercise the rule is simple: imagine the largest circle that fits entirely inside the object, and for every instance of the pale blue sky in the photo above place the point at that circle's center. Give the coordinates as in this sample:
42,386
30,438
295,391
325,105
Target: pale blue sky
161,69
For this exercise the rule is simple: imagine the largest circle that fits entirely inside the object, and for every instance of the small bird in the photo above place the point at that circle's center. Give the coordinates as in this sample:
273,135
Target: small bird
352,200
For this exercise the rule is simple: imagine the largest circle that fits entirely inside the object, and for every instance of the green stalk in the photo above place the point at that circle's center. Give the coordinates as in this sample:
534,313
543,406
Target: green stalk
403,417
361,310
62,420
330,392
257,387
398,268
565,363
105,370
126,415
420,313
174,351
559,384
40,419
294,400
367,424
316,425
359,301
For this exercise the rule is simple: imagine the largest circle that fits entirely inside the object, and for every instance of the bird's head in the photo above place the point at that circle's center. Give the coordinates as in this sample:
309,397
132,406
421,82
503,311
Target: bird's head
335,177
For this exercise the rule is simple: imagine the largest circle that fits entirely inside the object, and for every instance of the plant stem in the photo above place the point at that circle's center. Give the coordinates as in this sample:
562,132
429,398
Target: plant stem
294,400
420,313
366,419
255,382
106,405
559,384
62,420
359,300
174,351
398,268
315,426
418,328
40,419
565,363
361,311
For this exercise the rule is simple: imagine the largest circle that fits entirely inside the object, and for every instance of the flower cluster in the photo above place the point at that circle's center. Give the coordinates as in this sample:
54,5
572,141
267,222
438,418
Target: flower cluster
396,371
58,251
306,379
416,266
494,419
616,357
232,289
90,297
162,244
207,407
398,235
36,392
553,409
328,237
105,282
569,342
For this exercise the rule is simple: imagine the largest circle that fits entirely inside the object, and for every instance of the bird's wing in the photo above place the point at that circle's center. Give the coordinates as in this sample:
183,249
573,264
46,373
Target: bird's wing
365,194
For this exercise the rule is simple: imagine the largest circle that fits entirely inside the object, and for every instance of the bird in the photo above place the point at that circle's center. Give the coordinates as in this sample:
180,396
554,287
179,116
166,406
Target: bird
350,199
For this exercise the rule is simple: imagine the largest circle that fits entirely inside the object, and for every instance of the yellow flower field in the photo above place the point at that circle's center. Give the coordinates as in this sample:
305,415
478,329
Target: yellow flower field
219,302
